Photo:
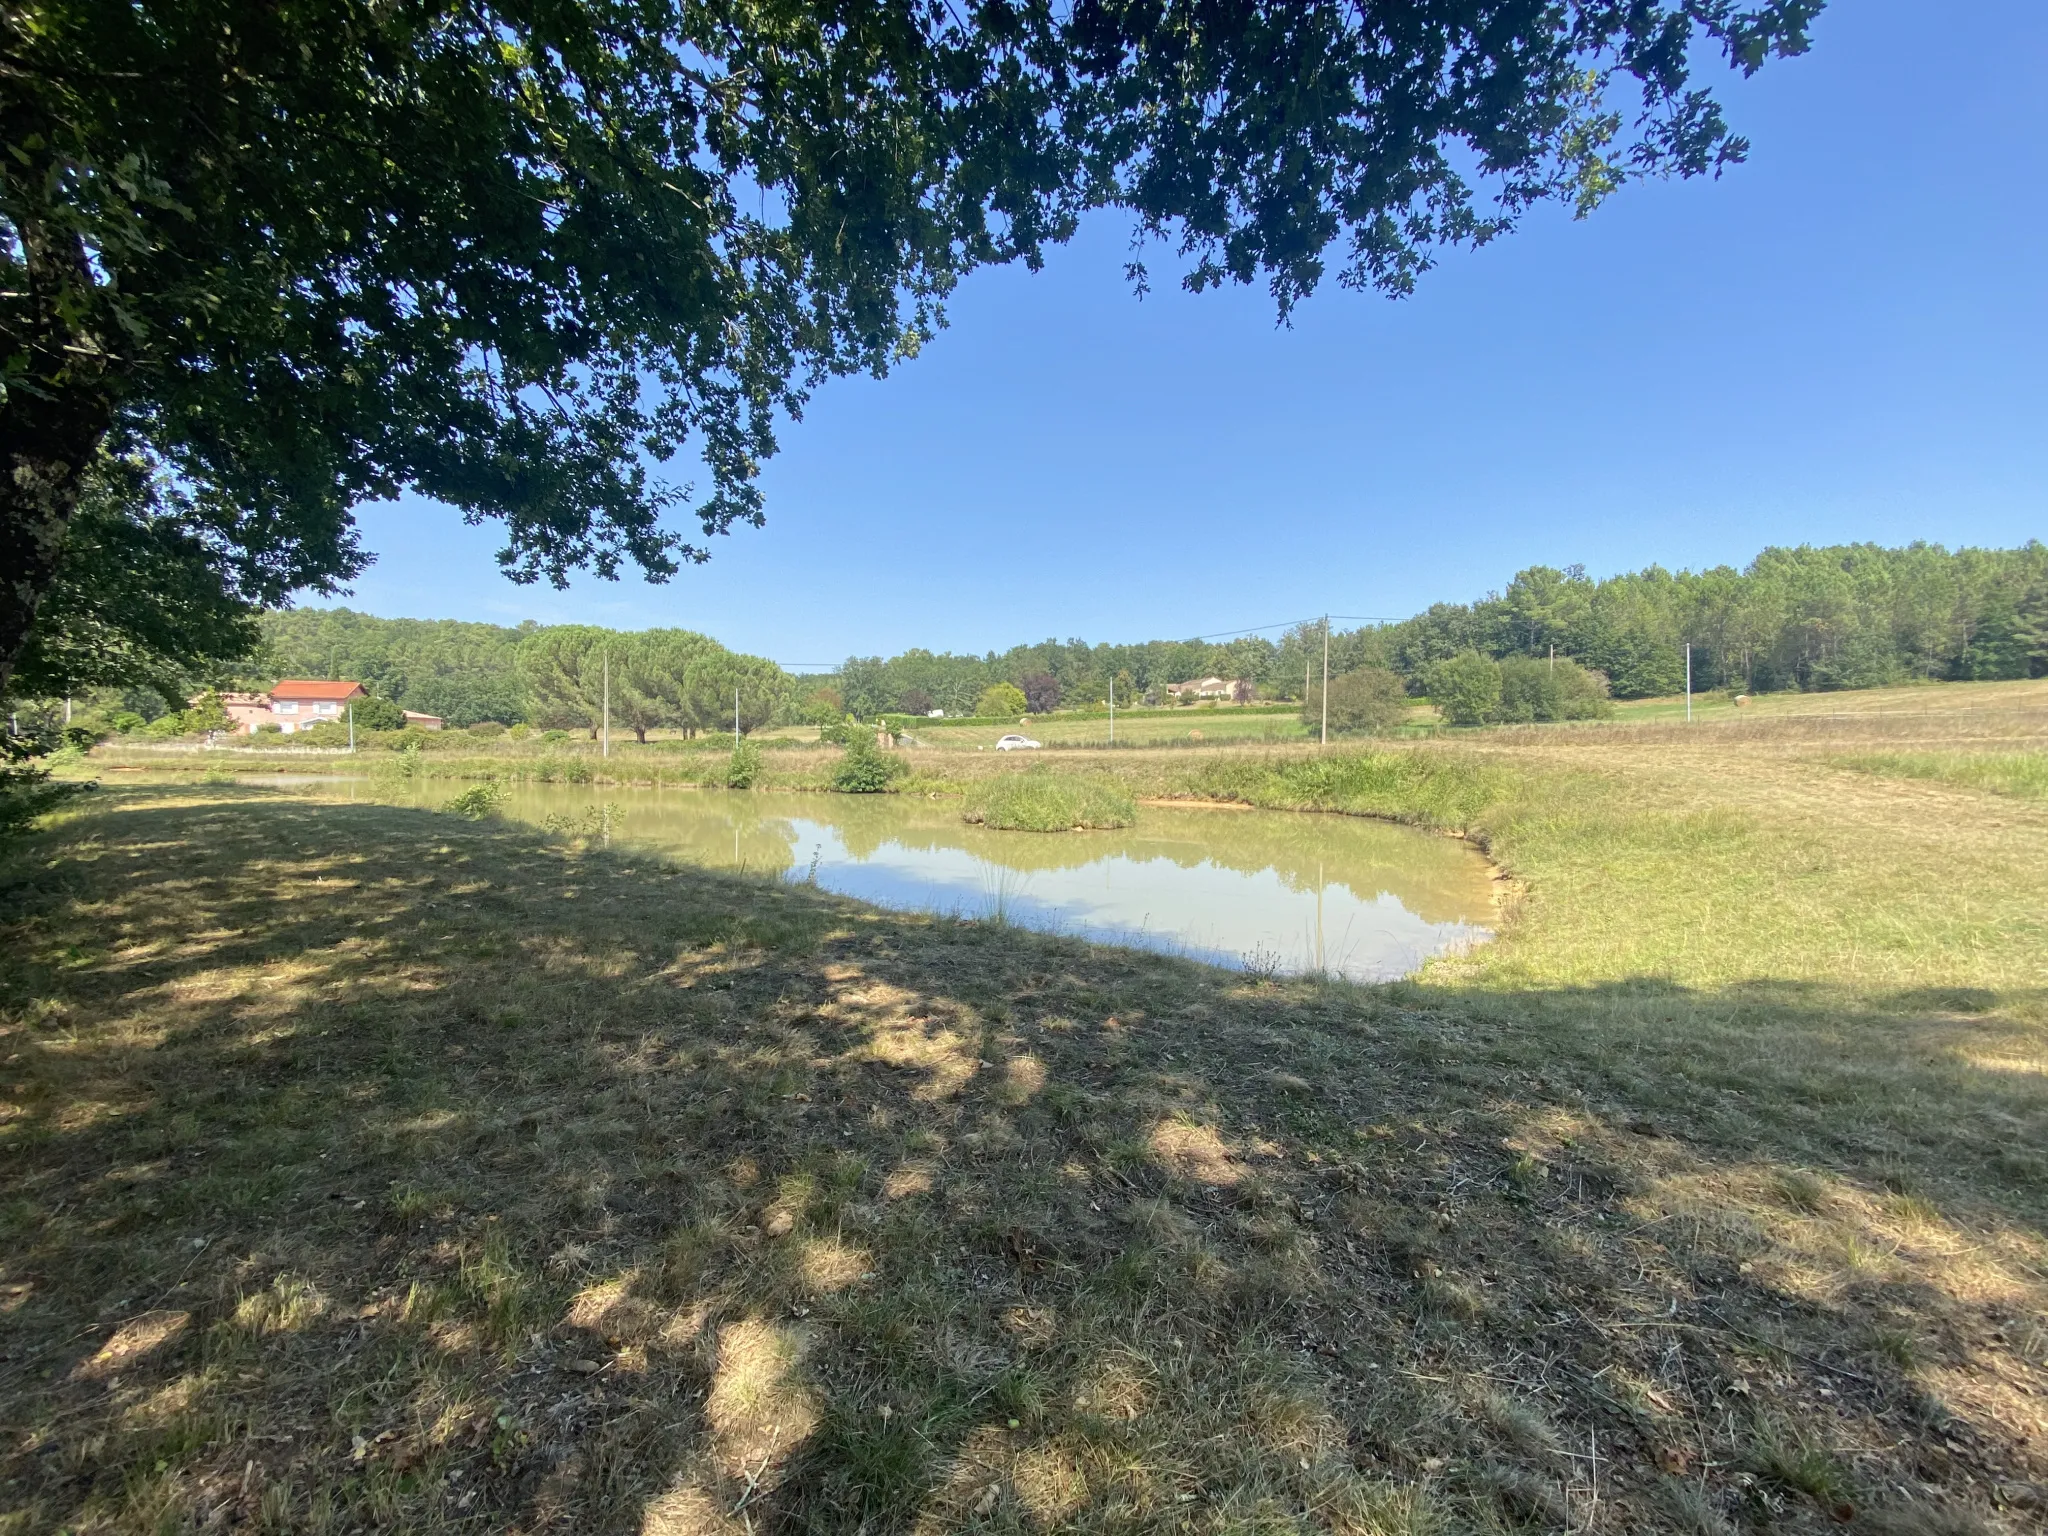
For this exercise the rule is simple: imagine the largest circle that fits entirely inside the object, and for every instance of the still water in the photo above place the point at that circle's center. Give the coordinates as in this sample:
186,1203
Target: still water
1266,889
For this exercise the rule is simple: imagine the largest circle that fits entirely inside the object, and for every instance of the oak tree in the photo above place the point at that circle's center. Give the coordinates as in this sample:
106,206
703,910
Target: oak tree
513,255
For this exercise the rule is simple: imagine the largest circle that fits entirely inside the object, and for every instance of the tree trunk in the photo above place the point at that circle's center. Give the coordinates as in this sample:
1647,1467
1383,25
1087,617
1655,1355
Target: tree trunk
59,404
44,451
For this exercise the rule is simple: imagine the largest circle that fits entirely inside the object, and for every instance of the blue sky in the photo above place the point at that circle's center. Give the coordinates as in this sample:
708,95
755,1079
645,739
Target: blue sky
1843,339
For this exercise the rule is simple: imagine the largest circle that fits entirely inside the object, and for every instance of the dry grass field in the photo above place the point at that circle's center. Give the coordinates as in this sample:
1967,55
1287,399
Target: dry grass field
363,1168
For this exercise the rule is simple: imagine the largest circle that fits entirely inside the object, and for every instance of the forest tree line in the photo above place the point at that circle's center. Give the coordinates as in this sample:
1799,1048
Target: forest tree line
1846,616
557,675
1849,616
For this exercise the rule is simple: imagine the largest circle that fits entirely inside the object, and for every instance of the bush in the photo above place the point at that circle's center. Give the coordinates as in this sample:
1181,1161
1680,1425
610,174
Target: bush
1582,692
745,766
1466,688
1369,701
25,793
487,728
126,720
1039,800
520,732
559,770
866,769
207,713
1003,701
477,801
375,714
1534,688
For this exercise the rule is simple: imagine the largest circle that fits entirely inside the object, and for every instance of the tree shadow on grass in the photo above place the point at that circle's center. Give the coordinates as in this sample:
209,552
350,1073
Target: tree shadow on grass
367,1169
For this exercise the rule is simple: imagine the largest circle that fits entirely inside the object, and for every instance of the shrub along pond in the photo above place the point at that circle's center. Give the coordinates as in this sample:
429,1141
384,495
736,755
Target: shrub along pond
1265,890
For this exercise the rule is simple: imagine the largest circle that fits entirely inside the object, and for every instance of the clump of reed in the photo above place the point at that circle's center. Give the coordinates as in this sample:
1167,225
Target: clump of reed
1038,800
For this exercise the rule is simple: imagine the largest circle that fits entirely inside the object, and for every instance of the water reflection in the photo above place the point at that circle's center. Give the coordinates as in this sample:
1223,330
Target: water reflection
1351,897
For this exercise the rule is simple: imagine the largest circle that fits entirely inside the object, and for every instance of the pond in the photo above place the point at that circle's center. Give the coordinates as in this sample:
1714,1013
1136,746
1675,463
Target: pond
1267,890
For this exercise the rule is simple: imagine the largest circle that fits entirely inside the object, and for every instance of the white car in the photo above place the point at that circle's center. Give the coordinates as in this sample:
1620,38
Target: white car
1015,743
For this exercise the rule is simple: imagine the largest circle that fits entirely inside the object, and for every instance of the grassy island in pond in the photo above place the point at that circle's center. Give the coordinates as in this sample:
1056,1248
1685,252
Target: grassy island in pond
372,1168
1042,801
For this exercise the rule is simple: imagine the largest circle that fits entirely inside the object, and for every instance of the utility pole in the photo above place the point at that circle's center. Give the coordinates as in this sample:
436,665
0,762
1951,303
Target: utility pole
351,725
735,719
1326,680
1688,682
1553,661
1112,709
604,738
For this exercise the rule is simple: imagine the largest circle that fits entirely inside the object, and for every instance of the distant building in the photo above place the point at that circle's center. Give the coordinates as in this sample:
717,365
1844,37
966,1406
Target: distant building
246,711
297,703
1211,688
424,722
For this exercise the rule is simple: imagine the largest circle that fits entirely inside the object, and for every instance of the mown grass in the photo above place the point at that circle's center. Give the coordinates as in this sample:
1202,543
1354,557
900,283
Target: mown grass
367,1168
1038,800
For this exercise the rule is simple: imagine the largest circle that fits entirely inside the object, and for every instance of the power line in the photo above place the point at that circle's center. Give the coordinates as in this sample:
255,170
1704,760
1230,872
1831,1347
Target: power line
1256,629
1259,629
1369,618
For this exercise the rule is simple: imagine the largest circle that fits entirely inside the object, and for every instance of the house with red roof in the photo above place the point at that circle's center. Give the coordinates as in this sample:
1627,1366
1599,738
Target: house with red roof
297,703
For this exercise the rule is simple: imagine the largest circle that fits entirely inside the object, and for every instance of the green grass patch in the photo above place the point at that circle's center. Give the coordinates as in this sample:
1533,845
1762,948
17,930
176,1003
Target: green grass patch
2002,773
1040,800
1435,789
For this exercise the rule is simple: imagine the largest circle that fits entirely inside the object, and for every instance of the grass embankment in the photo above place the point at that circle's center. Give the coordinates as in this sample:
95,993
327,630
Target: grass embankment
1041,801
368,1168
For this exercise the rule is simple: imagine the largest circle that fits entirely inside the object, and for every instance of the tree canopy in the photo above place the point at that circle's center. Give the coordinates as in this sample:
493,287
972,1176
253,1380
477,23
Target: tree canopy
651,678
138,598
514,257
659,679
462,672
1816,618
1841,616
